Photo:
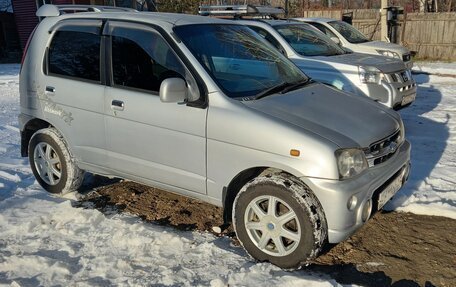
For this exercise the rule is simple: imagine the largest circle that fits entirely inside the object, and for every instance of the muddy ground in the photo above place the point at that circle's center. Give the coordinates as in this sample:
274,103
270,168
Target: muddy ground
392,249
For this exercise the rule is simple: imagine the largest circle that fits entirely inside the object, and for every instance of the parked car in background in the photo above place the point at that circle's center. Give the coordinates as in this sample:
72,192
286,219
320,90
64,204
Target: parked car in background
350,38
206,108
385,80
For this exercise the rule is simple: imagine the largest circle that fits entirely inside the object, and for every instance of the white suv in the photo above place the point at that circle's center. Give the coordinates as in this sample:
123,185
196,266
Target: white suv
352,39
208,109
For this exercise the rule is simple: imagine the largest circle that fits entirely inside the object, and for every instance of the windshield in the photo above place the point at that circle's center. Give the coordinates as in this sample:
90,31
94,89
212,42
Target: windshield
349,32
308,41
241,62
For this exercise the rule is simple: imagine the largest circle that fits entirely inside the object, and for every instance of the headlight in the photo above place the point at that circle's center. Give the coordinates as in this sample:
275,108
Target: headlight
369,75
387,53
350,162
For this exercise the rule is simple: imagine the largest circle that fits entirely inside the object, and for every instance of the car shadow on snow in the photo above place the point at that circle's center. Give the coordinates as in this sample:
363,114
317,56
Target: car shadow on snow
349,274
428,138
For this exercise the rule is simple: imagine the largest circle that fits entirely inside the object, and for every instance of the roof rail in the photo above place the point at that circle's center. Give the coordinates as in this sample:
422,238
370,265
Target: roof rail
239,10
49,10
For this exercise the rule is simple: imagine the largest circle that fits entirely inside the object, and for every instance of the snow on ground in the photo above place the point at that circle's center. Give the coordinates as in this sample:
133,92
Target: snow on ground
431,128
435,68
46,241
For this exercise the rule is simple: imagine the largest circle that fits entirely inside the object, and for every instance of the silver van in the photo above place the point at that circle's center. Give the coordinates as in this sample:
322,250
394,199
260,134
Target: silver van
208,109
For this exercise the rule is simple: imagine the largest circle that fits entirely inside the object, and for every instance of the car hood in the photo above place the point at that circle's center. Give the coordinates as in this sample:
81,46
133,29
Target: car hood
384,64
345,119
380,45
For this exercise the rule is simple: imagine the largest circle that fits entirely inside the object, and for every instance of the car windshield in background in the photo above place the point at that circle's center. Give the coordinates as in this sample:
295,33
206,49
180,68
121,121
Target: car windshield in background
241,62
349,32
307,41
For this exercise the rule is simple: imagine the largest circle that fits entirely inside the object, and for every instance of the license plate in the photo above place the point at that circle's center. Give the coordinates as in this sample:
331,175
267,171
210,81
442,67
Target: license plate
389,191
408,99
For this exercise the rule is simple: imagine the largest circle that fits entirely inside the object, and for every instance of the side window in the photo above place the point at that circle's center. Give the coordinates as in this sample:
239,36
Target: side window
75,54
142,59
265,34
324,29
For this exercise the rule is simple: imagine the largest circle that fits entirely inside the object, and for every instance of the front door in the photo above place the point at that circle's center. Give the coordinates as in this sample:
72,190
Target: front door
146,138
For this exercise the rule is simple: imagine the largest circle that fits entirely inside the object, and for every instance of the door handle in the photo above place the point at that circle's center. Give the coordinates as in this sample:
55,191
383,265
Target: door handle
117,105
50,90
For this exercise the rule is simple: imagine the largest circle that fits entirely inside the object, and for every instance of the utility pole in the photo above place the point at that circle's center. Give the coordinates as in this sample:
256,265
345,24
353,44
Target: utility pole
286,9
383,20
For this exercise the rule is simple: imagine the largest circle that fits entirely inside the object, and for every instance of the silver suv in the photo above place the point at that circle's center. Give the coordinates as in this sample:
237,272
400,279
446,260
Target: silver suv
206,108
383,79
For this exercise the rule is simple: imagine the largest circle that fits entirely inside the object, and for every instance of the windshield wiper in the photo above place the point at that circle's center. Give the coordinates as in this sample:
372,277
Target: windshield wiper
272,90
281,88
296,86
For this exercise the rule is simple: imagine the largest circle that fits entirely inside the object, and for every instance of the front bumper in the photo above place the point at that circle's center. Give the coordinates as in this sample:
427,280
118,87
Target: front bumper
334,195
393,93
400,94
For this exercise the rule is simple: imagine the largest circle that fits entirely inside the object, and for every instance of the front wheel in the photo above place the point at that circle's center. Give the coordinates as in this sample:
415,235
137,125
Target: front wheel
278,219
52,164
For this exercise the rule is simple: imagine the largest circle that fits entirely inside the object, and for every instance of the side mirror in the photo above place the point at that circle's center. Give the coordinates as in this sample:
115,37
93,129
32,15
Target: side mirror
336,40
173,90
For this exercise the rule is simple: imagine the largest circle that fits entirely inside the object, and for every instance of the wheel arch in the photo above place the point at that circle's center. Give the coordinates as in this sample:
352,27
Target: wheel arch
230,192
29,129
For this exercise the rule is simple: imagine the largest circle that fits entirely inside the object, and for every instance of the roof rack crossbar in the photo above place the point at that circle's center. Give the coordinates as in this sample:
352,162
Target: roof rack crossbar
239,10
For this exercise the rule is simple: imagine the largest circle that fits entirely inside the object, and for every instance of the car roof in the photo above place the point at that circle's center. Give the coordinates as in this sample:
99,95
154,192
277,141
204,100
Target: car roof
271,22
317,19
157,18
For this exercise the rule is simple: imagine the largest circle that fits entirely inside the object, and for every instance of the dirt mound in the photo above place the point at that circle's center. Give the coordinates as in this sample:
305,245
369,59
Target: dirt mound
392,249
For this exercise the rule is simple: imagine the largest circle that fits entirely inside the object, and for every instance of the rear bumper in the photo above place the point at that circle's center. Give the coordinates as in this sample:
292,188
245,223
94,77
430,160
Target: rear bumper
334,195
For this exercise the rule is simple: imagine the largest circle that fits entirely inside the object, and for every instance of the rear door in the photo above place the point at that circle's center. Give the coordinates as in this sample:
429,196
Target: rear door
149,140
72,91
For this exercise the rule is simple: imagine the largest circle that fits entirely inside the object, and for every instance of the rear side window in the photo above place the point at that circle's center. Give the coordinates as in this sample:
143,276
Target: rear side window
324,29
75,54
265,34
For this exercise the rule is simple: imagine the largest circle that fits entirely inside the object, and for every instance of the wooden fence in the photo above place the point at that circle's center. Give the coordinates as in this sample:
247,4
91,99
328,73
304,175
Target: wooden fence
431,35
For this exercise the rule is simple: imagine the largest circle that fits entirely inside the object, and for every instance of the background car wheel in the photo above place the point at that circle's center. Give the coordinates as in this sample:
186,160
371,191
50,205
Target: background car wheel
52,164
278,219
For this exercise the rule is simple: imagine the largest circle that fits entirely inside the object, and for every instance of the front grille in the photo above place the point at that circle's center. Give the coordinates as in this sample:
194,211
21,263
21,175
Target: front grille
406,57
406,88
383,150
400,77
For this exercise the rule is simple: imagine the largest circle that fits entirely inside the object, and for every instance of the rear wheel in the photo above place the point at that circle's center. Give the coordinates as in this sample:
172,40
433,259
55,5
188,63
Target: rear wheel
52,164
278,219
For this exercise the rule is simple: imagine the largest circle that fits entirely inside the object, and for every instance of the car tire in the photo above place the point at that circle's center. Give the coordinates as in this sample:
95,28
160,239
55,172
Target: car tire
52,163
278,219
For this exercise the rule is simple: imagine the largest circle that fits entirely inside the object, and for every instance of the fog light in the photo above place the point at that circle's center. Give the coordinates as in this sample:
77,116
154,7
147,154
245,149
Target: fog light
367,209
352,201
